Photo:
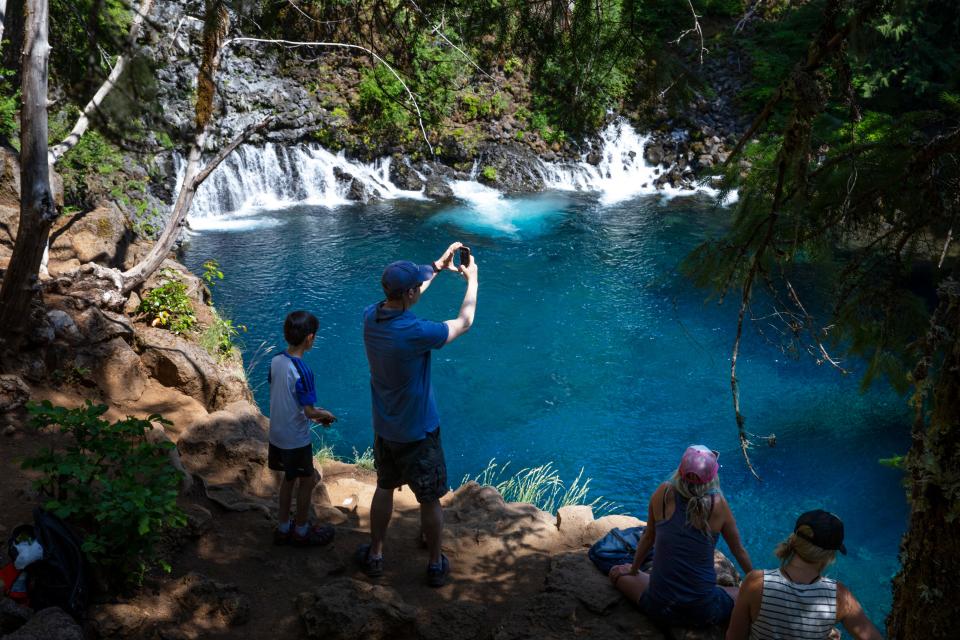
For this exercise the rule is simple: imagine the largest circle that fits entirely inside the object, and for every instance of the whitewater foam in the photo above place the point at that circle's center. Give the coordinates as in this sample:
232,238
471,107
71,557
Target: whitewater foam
259,179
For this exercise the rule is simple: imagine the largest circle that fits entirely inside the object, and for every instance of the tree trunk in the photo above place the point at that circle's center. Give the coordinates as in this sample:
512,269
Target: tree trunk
925,590
37,209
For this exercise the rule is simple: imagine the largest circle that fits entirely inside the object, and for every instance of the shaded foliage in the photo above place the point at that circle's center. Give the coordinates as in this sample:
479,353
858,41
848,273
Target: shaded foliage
111,481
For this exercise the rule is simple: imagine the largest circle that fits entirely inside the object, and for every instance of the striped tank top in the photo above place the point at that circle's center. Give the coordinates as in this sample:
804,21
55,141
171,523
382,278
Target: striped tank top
790,610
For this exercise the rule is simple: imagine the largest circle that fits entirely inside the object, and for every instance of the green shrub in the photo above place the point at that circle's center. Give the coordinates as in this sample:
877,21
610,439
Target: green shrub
512,65
111,482
211,272
489,174
168,305
9,105
218,338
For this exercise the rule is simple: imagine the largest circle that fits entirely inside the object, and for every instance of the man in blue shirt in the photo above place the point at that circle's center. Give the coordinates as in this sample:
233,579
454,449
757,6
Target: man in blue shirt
406,423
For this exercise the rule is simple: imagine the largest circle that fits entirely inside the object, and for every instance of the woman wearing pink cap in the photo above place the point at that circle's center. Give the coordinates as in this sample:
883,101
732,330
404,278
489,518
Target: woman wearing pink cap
686,516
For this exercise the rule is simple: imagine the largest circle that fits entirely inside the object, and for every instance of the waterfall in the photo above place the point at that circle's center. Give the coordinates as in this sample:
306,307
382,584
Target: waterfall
258,179
254,180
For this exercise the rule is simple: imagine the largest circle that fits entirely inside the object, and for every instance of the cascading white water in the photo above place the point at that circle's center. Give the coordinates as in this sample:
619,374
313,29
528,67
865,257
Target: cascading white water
254,179
257,179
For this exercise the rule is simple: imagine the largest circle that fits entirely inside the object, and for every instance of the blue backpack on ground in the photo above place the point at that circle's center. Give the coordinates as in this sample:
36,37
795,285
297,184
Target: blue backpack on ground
618,547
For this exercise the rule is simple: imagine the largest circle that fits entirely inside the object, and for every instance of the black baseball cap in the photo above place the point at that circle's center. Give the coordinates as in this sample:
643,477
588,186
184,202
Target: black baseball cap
827,530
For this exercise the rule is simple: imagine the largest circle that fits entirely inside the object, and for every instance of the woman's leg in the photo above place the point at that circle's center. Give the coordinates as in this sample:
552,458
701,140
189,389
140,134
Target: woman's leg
633,586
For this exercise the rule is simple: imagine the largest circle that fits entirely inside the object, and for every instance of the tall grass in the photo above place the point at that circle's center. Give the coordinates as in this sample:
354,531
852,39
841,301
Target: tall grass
364,460
324,454
540,486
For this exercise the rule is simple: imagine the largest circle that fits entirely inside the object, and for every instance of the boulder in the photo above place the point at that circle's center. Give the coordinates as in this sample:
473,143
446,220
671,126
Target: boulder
517,167
437,188
9,179
99,325
48,624
9,223
14,392
199,595
12,615
653,154
575,575
403,176
346,609
102,235
116,369
63,326
228,448
179,363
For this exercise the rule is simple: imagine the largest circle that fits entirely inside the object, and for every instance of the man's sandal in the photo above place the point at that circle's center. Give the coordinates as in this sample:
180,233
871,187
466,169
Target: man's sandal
437,573
373,567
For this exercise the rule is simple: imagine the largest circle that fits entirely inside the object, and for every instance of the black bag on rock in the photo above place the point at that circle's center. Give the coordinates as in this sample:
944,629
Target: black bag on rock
60,578
618,547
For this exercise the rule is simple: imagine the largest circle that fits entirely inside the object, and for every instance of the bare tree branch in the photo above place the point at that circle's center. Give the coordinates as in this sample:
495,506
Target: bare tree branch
56,152
694,29
208,168
294,44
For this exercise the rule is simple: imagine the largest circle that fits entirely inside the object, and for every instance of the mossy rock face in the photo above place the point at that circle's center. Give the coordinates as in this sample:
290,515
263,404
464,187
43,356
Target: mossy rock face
104,228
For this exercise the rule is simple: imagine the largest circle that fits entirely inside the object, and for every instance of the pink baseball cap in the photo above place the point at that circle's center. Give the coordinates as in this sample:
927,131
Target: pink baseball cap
699,464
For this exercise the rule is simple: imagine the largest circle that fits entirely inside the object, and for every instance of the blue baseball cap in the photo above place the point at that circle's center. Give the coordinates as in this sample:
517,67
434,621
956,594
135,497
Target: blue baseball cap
403,275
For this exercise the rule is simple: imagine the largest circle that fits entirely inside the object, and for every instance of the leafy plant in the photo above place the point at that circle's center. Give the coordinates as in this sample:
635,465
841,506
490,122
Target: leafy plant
218,338
489,174
540,486
70,376
110,481
168,305
211,272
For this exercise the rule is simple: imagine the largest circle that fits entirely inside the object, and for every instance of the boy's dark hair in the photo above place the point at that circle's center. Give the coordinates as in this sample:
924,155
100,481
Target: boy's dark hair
298,325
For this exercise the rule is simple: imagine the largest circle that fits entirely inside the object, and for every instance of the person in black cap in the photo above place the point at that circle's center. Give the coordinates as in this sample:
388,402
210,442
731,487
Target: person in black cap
406,423
797,600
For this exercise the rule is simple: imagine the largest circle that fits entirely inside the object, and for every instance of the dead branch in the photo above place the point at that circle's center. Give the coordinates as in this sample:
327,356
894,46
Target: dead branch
295,44
694,29
946,245
748,15
192,179
56,152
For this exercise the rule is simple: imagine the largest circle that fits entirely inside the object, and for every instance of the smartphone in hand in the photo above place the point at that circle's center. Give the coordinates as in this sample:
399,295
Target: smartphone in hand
465,256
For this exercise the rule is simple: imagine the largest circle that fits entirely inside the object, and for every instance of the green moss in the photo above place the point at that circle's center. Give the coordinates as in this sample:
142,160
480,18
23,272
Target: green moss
489,174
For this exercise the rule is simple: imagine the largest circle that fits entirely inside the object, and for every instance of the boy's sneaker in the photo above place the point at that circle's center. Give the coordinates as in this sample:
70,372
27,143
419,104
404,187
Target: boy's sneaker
316,535
373,567
437,573
280,538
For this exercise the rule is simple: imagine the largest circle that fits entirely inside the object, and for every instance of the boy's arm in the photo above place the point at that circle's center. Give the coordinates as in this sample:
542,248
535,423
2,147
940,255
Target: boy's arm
321,415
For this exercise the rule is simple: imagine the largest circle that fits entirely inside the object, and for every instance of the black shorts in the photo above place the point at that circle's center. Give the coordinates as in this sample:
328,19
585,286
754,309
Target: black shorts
417,464
295,463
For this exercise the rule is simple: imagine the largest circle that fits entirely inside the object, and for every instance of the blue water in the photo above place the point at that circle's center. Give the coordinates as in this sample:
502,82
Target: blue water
589,350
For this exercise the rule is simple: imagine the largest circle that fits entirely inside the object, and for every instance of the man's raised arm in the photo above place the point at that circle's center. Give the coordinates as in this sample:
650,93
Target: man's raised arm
461,324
